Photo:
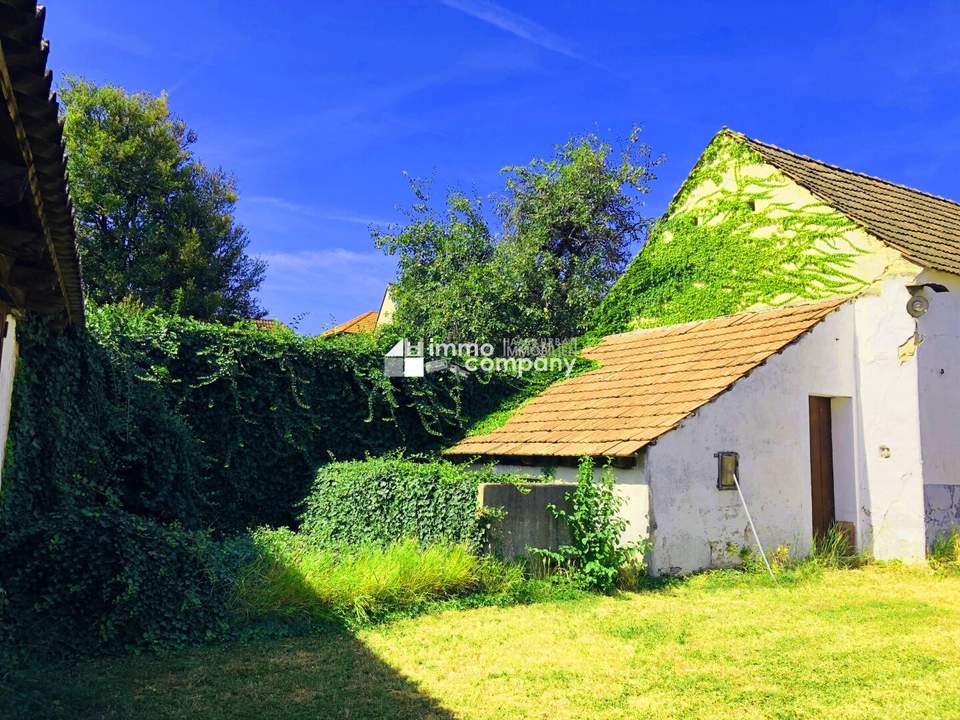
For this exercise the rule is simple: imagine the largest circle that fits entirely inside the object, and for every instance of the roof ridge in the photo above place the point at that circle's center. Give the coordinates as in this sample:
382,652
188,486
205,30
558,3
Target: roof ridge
838,167
353,322
743,313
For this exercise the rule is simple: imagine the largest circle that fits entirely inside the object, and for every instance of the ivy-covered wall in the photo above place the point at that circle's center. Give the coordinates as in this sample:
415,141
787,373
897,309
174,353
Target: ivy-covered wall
740,235
207,425
386,499
139,441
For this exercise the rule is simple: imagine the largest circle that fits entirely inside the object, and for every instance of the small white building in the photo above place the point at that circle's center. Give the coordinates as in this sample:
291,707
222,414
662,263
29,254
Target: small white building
839,406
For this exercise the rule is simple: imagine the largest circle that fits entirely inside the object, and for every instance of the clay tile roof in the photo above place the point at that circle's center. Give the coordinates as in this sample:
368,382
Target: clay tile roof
268,324
647,383
33,112
366,322
924,228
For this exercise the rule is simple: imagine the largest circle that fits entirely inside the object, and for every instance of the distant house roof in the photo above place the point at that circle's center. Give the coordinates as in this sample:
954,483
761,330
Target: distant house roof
268,324
924,228
39,262
647,383
366,322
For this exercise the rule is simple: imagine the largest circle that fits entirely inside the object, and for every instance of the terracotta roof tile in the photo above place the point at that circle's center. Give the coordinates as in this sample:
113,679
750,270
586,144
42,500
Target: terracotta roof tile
924,228
268,324
33,117
365,322
647,383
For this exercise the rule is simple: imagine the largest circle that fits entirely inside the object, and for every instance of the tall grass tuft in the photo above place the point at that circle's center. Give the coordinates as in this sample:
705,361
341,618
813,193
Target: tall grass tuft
833,549
292,578
945,553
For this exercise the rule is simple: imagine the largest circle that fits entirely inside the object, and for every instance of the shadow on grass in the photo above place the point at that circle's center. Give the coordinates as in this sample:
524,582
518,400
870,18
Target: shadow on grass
297,661
330,674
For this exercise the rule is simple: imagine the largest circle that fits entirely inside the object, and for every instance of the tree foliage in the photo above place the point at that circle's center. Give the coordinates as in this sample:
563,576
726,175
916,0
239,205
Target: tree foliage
566,226
154,223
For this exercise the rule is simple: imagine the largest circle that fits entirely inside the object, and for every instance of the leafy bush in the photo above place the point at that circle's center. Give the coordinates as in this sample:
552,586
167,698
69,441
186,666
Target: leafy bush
205,424
100,577
293,578
386,499
596,554
131,438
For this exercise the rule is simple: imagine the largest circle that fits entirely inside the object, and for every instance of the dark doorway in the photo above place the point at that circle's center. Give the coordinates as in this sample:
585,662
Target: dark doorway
821,465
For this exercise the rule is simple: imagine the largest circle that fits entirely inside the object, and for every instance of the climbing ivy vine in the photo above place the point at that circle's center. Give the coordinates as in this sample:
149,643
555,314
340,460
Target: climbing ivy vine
719,252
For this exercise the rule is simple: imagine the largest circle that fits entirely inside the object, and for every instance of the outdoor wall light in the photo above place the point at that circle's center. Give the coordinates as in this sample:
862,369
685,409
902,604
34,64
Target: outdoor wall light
728,464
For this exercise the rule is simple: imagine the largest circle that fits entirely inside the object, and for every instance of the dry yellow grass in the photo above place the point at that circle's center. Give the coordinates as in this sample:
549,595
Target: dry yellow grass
879,642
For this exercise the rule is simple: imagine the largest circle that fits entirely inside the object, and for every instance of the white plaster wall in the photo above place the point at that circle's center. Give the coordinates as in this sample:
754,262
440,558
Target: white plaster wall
890,464
8,367
871,261
632,485
845,448
938,381
948,280
764,418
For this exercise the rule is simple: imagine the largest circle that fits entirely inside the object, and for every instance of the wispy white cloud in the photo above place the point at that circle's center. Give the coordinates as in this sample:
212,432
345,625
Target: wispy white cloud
102,37
332,285
315,212
306,261
515,24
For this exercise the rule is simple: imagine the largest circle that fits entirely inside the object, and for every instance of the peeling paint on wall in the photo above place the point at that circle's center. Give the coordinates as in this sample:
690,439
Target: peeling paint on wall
941,506
908,349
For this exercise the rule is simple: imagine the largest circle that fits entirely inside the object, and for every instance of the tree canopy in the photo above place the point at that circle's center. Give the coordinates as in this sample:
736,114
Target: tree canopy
154,223
566,226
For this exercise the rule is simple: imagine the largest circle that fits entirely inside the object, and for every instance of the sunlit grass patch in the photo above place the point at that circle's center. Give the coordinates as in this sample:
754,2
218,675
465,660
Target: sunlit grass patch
870,643
289,577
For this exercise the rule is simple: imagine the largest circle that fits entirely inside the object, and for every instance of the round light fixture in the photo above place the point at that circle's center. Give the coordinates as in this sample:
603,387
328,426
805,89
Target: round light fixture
917,305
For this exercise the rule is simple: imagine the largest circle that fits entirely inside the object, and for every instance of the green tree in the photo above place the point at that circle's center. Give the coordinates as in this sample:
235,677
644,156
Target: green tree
154,223
566,228
446,287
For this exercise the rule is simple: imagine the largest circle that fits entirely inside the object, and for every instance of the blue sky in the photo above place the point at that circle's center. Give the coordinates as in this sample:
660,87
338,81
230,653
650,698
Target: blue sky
319,107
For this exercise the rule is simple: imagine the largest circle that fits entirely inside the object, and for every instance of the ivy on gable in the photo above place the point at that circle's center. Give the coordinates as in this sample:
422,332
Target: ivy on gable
721,249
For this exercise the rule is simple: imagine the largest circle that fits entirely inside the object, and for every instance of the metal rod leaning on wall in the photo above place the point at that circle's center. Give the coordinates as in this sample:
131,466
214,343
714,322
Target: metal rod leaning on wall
736,481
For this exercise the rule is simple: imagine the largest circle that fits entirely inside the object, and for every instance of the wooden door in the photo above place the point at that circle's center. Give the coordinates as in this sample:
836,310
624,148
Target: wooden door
821,465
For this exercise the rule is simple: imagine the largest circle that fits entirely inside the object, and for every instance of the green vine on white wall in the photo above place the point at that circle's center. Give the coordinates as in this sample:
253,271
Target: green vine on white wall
732,248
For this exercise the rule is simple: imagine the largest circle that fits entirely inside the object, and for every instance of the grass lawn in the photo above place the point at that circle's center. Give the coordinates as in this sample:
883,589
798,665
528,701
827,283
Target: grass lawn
878,642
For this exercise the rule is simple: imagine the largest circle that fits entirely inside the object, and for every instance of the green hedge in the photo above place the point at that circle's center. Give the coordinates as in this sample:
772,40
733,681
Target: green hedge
206,425
100,577
387,499
135,441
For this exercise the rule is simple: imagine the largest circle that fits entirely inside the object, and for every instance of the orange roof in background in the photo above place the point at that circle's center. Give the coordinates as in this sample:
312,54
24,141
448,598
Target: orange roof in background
268,324
648,382
367,322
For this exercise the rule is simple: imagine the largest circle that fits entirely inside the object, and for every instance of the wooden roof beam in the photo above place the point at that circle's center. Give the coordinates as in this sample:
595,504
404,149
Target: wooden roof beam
29,57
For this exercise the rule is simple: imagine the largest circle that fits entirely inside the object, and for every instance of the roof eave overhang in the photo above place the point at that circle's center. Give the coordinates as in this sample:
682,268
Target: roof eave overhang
40,265
617,461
